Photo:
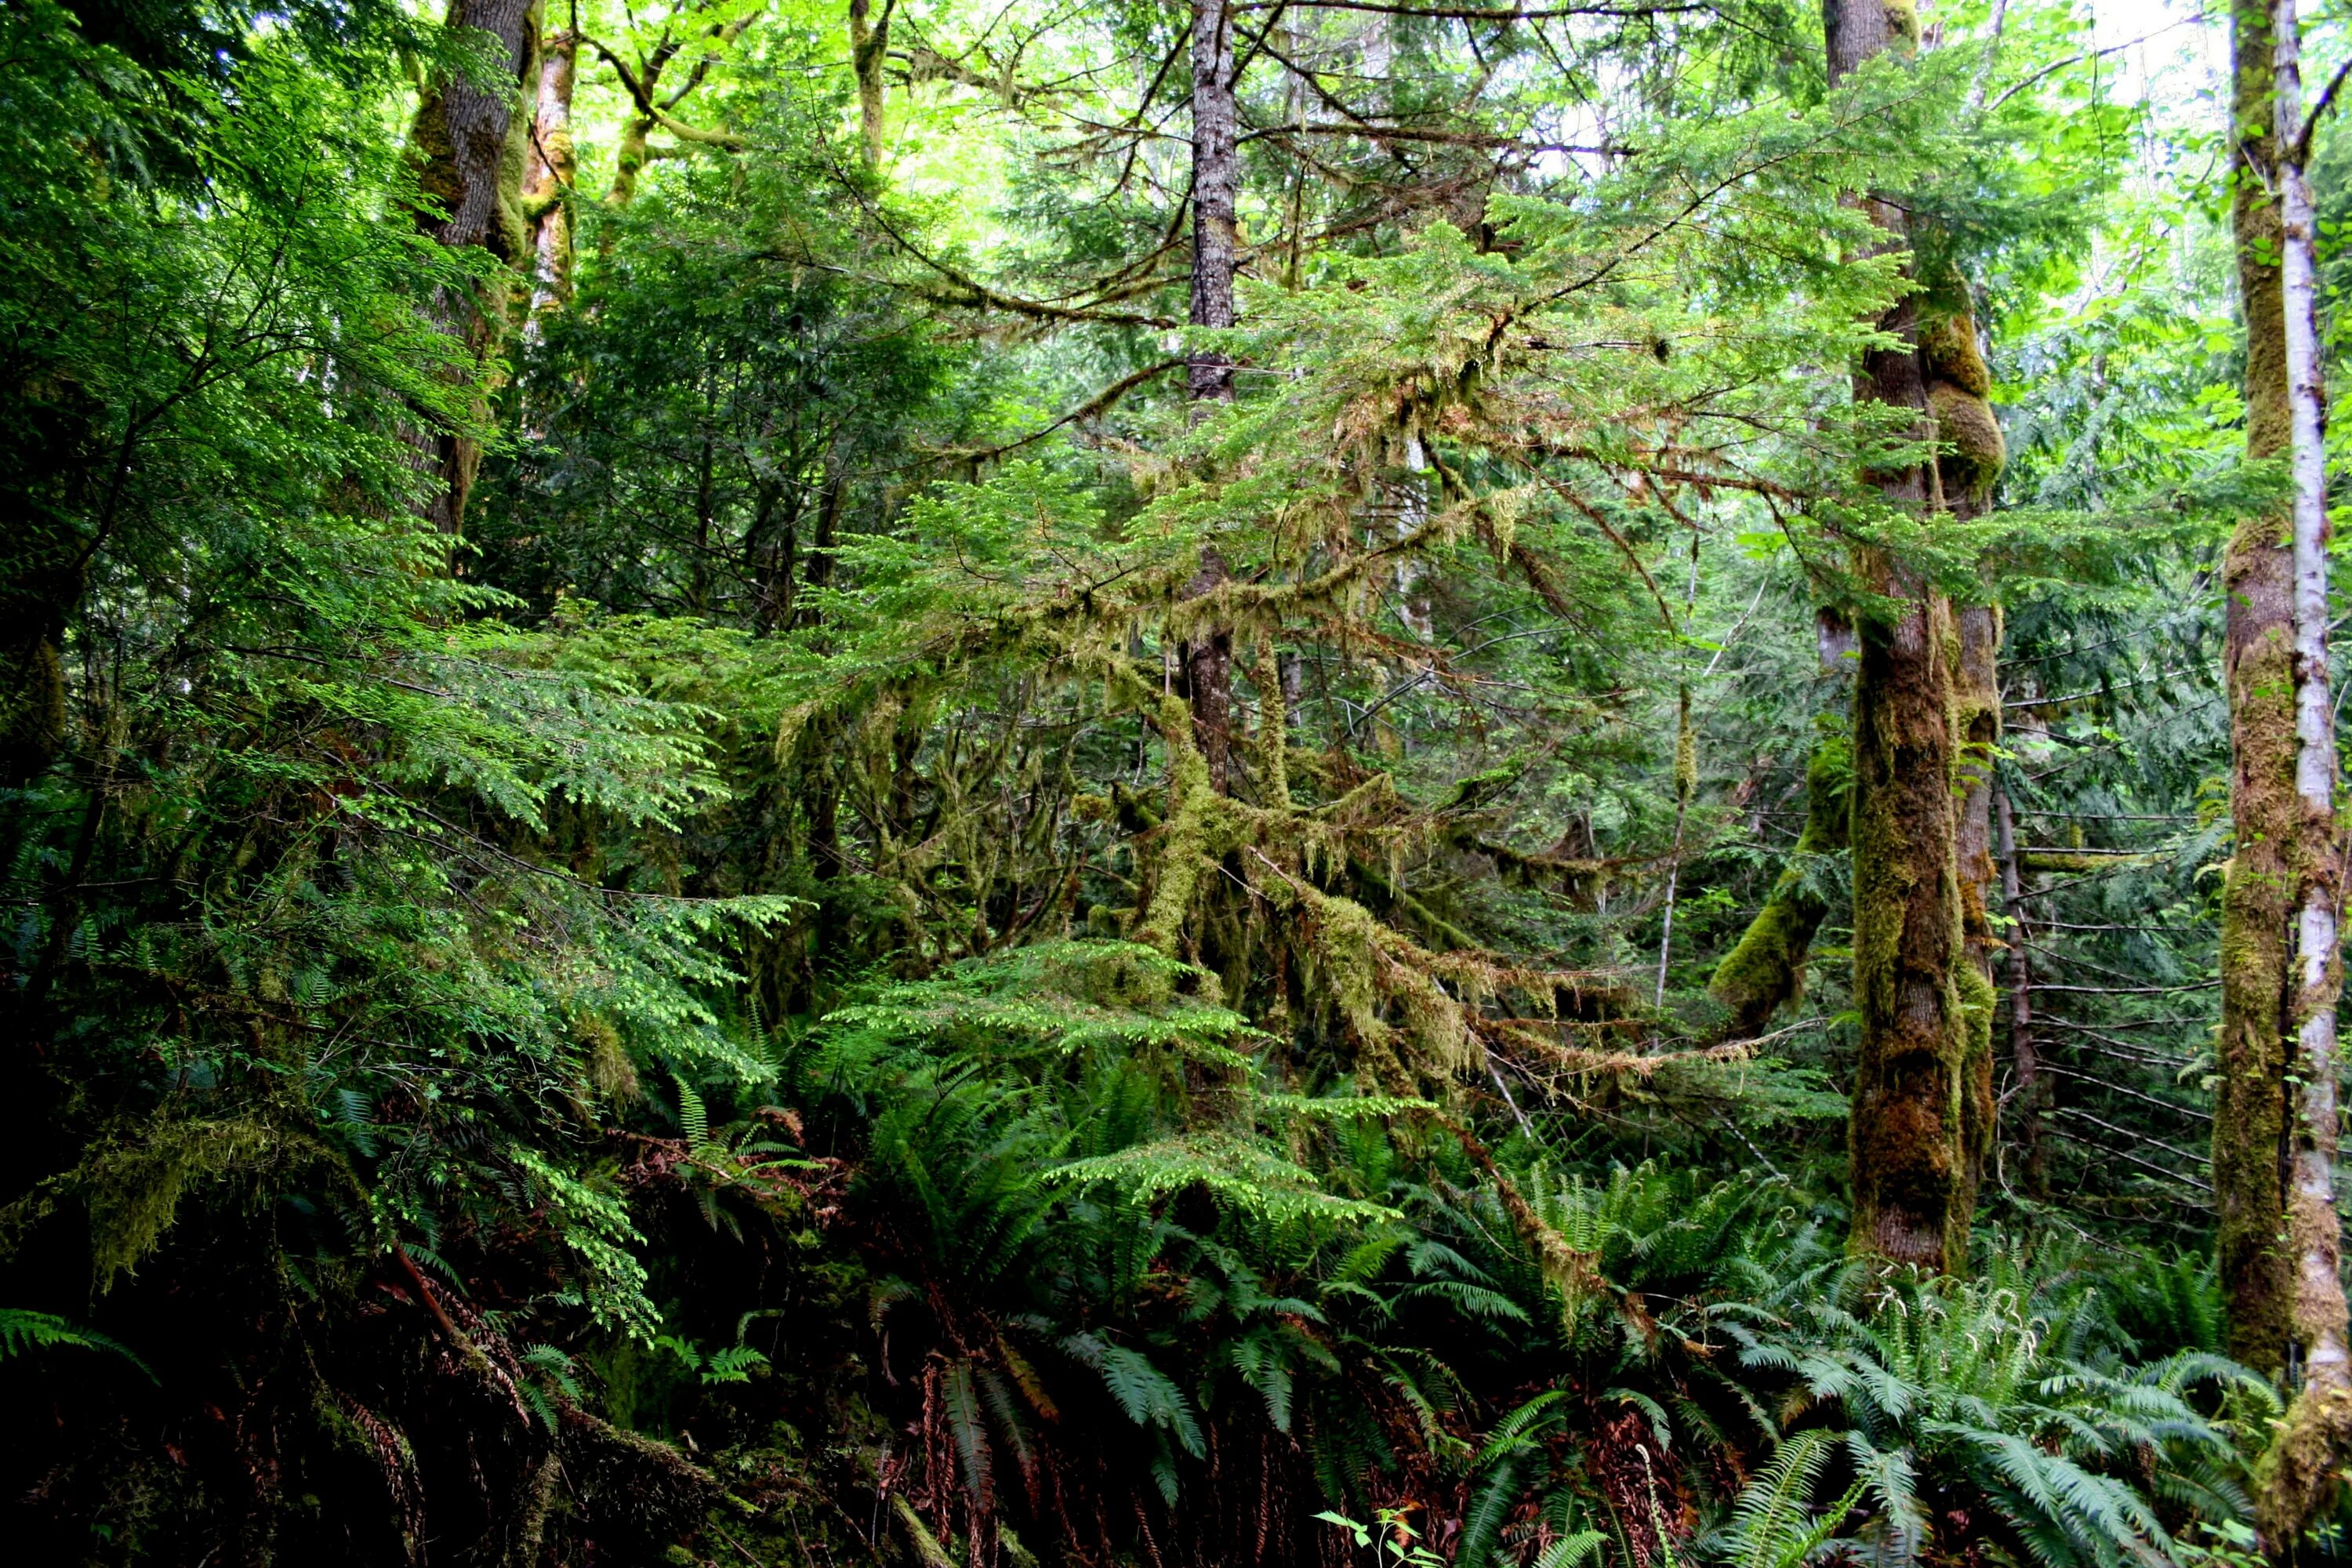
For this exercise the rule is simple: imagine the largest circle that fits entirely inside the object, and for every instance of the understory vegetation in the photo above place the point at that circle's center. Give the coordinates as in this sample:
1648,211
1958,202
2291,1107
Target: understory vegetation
994,785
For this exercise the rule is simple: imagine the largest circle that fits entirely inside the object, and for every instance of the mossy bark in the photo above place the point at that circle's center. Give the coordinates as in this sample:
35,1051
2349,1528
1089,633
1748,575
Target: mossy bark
2303,1474
2258,885
869,47
1970,453
551,170
1767,970
471,149
1923,1024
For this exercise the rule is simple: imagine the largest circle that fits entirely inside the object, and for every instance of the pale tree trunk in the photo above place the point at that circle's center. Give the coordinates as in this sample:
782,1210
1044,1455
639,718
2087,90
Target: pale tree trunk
2307,1456
1208,655
1912,1168
471,147
550,174
869,46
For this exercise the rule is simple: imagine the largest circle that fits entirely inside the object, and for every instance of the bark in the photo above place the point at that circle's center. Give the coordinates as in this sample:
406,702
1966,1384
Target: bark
2302,1472
2033,1091
550,173
1208,660
1911,1164
2257,661
869,44
1215,181
471,148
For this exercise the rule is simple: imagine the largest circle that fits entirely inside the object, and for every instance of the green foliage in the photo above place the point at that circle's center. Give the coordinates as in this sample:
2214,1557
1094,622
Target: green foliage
916,946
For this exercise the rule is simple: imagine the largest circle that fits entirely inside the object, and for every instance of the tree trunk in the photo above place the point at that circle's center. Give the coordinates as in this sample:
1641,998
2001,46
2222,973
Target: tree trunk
471,147
2302,1472
1767,969
869,46
1216,166
550,173
1911,1164
2025,1055
1969,458
2257,659
1208,658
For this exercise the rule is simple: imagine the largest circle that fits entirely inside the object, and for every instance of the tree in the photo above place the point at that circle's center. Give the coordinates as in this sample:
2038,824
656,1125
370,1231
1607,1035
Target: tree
1916,1113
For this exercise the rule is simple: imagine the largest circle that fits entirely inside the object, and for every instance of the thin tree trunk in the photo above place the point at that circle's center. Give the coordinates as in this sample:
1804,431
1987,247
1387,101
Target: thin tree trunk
1912,1170
1208,658
869,46
550,173
2302,1471
471,147
2258,891
2024,1051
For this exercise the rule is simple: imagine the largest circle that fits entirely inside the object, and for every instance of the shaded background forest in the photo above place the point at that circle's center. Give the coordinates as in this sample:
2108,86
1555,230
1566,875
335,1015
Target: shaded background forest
727,840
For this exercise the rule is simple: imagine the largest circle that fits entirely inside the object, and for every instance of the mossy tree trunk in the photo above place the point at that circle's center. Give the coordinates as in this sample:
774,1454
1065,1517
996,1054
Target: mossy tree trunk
869,50
2258,892
1912,1167
2301,1475
1970,455
551,171
471,148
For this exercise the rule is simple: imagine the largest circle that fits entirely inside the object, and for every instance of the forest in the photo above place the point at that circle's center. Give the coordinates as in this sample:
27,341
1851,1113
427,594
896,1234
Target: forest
1173,784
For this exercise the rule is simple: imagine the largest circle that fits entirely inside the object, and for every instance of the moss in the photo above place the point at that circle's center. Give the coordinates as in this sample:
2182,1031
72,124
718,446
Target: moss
1903,26
1973,450
1909,1125
2300,1476
1766,970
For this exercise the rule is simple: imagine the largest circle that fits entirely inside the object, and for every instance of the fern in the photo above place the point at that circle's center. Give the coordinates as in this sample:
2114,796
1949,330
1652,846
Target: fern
1141,1390
23,1332
1773,1525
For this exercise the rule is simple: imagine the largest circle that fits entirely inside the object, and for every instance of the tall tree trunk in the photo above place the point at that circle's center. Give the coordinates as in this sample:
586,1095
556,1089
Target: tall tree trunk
471,148
869,47
1969,458
550,174
2025,1054
1911,1165
2258,889
2302,1469
1208,655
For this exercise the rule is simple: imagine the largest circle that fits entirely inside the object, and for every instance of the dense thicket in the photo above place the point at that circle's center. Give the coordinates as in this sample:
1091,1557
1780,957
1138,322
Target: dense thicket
997,786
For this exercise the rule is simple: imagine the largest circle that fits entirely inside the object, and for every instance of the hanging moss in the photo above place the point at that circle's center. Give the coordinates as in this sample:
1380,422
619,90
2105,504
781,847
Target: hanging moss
1767,969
